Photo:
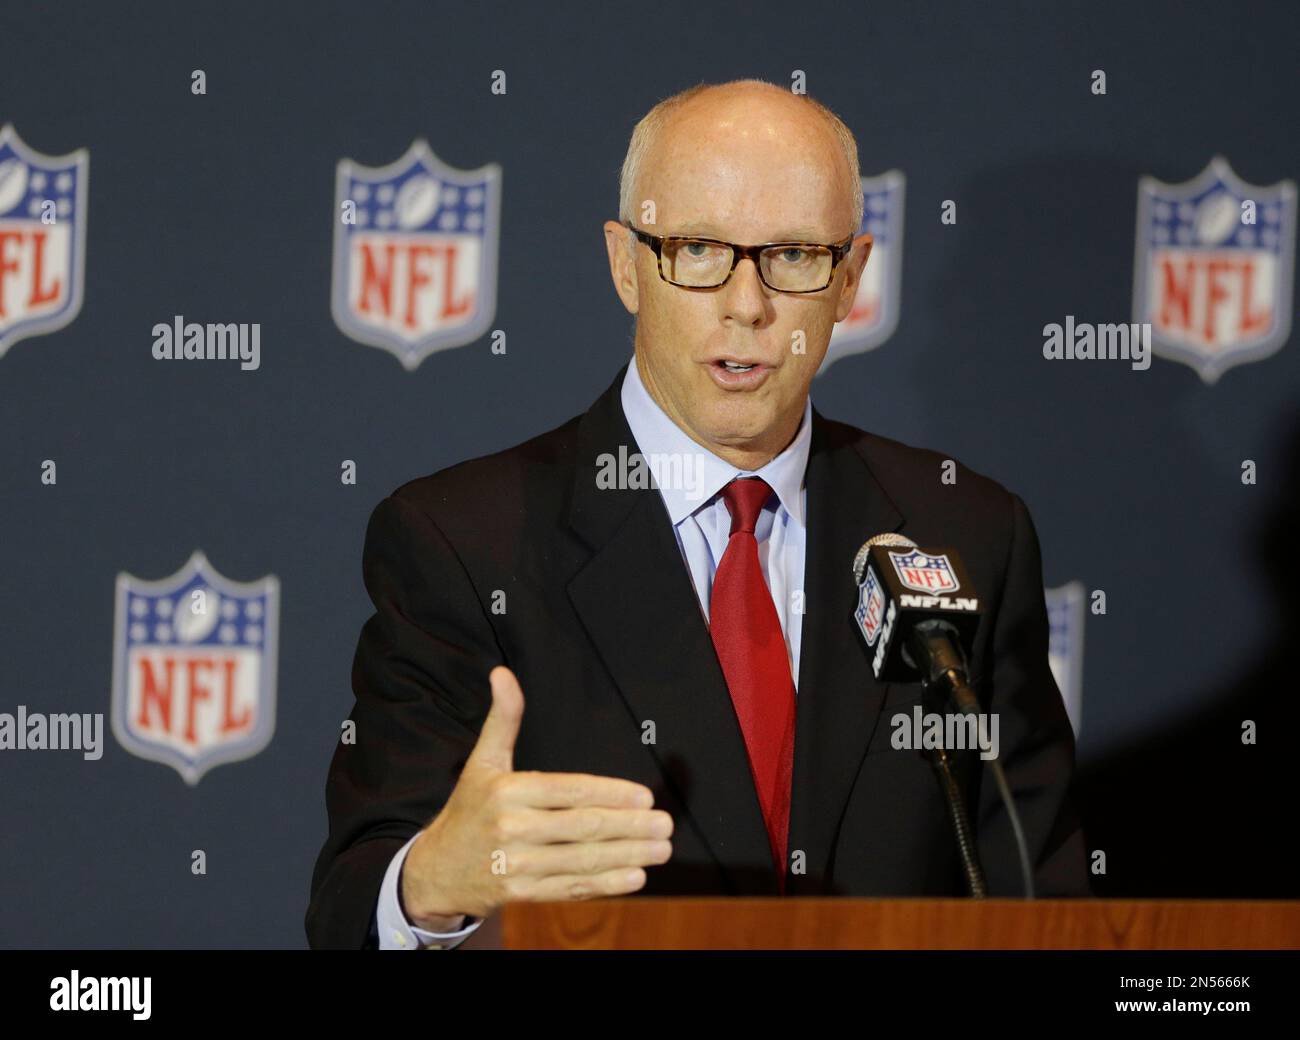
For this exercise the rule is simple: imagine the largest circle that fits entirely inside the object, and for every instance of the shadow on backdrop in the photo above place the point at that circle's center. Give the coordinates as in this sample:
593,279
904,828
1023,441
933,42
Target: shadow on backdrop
1191,810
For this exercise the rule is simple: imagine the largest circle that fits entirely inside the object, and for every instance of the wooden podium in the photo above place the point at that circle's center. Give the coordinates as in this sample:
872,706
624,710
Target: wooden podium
894,924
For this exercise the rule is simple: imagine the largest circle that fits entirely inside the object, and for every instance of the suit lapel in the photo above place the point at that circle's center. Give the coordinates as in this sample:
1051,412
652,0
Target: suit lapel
840,701
636,601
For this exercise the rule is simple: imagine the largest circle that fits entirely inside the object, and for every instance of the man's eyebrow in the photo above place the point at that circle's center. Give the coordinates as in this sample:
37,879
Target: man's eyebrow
797,234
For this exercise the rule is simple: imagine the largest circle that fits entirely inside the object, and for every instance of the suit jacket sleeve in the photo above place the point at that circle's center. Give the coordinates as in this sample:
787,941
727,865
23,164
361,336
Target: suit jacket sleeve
422,692
1037,741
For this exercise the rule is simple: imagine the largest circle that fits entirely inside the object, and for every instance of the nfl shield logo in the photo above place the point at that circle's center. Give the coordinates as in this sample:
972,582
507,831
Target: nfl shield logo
1211,275
194,659
1065,616
919,570
415,253
875,309
871,606
42,238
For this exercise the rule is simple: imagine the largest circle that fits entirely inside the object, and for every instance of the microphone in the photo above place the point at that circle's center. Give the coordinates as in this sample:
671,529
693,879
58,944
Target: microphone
918,612
913,618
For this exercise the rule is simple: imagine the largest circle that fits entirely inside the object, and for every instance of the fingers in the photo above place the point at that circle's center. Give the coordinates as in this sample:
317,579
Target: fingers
618,882
590,823
587,858
496,740
565,835
540,790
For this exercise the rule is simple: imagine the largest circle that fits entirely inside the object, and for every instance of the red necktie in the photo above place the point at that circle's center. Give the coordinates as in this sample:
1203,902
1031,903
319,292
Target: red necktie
747,636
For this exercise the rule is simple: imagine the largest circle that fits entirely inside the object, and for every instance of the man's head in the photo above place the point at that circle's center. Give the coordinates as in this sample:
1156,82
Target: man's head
748,163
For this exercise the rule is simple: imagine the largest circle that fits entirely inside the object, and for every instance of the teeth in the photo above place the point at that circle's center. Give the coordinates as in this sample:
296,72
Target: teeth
733,367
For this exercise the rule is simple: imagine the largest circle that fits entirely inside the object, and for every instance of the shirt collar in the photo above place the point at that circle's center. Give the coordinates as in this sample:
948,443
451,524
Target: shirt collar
704,473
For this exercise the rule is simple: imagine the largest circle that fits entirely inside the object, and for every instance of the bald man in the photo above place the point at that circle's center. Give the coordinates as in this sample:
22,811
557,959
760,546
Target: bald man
621,657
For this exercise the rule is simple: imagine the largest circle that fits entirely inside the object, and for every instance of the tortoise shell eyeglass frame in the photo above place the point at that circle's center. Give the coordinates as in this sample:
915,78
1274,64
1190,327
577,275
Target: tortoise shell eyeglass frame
739,253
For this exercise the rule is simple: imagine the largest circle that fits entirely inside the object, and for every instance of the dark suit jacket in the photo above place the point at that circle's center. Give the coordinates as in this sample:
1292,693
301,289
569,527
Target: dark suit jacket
603,628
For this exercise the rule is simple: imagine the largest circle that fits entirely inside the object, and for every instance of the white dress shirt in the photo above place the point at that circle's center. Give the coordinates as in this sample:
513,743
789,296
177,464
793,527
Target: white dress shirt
689,478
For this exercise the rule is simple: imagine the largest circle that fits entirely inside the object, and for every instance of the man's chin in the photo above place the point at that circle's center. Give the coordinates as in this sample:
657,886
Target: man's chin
738,436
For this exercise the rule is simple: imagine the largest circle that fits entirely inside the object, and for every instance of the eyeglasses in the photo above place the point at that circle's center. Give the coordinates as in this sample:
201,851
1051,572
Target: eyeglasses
706,263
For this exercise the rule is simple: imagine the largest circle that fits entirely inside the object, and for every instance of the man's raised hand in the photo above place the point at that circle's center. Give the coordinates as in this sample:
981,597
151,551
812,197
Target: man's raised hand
505,836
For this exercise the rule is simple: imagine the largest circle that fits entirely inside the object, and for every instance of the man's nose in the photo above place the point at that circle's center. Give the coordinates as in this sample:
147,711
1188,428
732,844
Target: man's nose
745,298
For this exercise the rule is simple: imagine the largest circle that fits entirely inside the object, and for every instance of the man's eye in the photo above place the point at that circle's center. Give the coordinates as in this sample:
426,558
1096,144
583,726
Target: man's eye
793,255
698,250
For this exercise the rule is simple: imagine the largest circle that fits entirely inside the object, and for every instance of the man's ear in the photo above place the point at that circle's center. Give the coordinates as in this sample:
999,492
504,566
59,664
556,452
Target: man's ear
622,264
854,264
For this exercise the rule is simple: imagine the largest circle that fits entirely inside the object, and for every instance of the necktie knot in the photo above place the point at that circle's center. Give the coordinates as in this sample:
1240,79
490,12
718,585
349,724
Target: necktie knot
745,497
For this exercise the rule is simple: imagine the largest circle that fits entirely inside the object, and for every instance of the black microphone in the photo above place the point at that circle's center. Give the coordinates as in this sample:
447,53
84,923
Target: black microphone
918,612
